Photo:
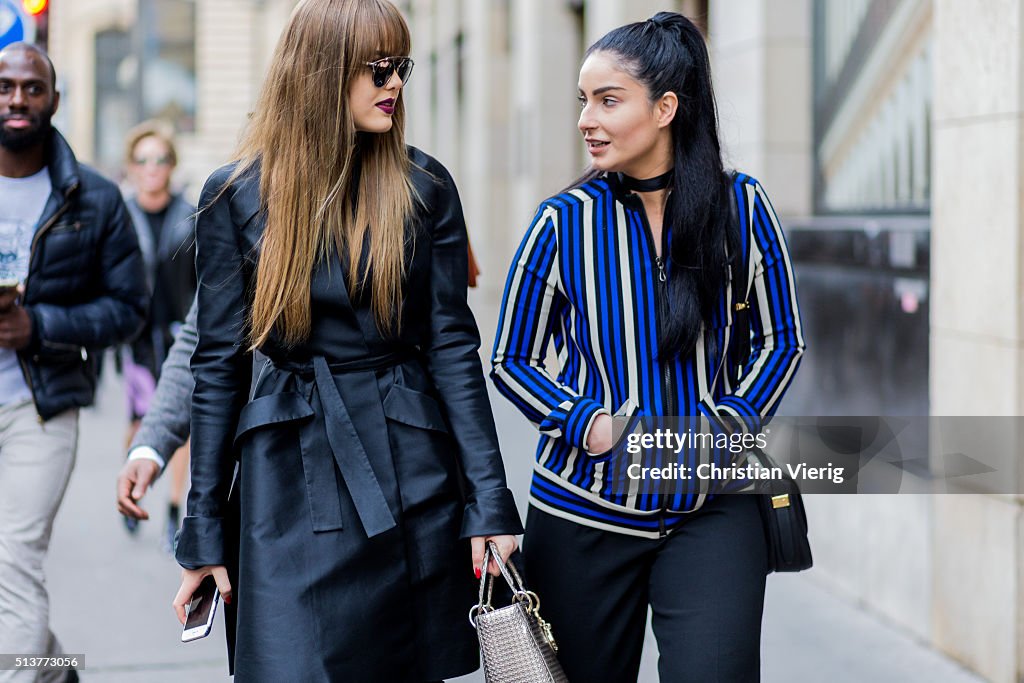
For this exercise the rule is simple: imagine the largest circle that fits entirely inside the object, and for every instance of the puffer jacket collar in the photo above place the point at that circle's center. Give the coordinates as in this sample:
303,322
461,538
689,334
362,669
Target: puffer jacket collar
62,164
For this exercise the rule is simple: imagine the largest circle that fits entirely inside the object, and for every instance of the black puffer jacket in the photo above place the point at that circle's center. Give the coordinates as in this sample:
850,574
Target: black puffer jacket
86,288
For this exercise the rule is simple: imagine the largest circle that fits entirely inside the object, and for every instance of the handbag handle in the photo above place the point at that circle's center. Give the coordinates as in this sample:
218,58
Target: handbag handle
519,593
512,578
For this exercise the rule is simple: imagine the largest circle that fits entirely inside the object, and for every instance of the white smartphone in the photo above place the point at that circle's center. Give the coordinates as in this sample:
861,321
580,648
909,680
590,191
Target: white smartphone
201,611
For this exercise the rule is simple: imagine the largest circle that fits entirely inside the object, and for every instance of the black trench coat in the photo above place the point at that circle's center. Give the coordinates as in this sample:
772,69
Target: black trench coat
365,464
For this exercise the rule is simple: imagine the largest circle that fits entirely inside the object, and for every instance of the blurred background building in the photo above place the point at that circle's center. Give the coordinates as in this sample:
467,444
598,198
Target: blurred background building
887,132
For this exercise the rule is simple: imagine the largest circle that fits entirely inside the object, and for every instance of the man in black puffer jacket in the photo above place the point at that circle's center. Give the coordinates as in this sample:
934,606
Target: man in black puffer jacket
71,283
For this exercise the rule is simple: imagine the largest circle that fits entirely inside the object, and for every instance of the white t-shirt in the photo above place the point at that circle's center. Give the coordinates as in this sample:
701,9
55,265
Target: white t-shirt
21,206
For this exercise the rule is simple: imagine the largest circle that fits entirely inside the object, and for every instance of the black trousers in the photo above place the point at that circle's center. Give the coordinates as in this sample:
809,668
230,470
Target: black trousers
704,583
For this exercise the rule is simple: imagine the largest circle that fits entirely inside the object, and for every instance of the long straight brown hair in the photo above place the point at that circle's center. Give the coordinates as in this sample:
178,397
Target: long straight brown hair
323,184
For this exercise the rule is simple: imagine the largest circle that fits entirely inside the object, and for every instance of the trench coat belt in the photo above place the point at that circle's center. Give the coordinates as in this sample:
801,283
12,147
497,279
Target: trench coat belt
345,445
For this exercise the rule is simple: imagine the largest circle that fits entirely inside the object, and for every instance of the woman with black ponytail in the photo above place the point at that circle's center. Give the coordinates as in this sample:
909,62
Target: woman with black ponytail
629,273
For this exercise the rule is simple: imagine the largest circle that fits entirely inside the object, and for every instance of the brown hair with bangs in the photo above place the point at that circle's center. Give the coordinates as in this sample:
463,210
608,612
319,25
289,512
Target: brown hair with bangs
323,184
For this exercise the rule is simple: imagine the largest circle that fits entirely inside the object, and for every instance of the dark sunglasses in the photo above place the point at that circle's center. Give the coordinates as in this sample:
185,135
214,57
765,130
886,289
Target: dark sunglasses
155,161
384,67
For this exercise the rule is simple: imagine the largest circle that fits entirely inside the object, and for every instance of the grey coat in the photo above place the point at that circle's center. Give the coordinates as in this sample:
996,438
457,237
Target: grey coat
165,427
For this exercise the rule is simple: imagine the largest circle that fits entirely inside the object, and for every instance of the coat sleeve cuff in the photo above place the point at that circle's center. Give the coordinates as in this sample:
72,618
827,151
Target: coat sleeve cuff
200,543
739,413
580,419
490,513
147,453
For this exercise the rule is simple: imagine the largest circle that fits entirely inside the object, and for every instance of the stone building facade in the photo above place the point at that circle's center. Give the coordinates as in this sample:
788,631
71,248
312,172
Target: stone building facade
891,124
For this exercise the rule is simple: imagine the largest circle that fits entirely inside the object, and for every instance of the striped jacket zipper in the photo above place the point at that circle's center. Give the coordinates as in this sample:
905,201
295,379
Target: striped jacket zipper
669,402
661,293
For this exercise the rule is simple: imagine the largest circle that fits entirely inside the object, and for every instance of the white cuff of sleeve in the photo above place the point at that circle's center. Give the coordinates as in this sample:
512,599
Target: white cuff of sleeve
590,425
146,453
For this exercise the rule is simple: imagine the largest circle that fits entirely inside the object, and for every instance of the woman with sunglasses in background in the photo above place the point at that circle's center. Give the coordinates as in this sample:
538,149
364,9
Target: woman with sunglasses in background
629,272
165,225
369,475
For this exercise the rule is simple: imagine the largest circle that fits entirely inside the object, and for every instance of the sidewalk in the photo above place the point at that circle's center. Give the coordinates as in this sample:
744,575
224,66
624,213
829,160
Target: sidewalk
808,634
111,593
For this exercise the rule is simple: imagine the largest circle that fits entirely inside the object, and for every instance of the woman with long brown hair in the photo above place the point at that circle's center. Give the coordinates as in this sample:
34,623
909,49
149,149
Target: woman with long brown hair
369,475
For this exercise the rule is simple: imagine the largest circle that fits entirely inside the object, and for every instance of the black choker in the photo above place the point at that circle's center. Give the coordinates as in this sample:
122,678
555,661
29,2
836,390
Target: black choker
647,184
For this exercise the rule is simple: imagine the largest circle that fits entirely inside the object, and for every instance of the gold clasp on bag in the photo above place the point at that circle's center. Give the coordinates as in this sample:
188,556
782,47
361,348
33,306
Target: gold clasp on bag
533,607
545,629
780,501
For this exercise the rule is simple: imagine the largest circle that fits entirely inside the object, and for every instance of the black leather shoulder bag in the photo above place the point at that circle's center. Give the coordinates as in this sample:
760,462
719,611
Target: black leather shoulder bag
782,506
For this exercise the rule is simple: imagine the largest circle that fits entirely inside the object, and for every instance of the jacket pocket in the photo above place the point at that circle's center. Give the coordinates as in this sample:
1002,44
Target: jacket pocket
626,418
414,408
271,410
65,226
50,352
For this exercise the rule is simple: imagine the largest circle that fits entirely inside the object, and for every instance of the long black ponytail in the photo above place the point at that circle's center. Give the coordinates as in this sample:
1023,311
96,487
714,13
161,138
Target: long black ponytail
667,53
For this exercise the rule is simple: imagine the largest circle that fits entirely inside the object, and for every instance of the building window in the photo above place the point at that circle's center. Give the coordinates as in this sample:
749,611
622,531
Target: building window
167,49
869,89
115,98
145,74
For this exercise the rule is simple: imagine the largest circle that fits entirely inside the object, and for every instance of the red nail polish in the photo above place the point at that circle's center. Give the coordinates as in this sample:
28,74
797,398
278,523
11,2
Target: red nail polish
476,570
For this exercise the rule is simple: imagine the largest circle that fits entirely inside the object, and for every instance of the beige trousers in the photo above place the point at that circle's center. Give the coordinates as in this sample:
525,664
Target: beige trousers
36,460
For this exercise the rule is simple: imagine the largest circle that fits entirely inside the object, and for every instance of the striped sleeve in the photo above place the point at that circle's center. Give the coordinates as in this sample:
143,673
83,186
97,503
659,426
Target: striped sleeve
777,338
531,307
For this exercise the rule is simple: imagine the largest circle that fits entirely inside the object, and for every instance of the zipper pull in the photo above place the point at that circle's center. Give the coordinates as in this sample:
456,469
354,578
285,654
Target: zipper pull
661,269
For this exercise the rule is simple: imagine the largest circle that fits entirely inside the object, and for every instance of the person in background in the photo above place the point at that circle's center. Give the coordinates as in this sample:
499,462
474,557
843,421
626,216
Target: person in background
165,225
73,282
474,268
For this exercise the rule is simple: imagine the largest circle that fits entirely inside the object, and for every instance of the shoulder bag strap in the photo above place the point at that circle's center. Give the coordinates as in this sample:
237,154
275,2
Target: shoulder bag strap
738,352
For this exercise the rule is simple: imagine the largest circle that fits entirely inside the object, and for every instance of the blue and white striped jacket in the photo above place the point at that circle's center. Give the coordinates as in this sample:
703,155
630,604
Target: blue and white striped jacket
586,276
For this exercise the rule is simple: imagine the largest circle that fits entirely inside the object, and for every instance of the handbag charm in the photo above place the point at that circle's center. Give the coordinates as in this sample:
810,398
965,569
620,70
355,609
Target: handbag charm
516,643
